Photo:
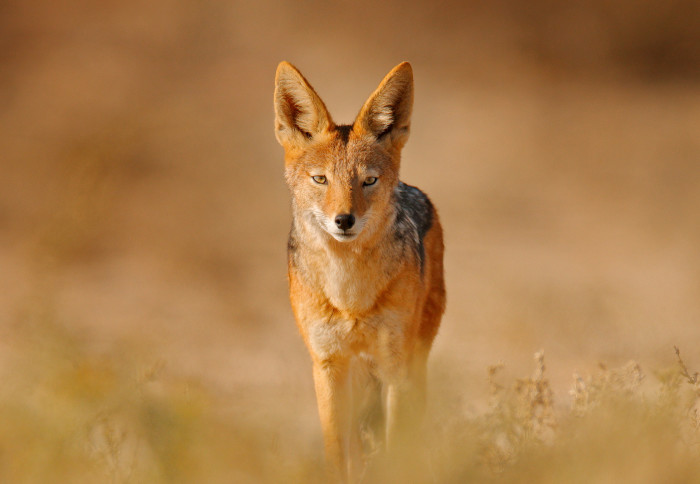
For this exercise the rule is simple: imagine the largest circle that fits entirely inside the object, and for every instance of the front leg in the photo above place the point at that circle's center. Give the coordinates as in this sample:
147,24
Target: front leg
401,422
406,404
333,395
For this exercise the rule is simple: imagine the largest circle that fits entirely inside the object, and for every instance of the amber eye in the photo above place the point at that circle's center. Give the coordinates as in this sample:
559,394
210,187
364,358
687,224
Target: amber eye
320,179
370,180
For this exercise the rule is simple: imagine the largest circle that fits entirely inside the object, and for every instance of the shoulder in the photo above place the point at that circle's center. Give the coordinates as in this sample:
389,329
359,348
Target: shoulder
414,218
413,206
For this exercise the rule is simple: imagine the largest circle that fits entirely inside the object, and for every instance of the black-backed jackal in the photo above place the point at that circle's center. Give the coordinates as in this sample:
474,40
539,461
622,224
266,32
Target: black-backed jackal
365,263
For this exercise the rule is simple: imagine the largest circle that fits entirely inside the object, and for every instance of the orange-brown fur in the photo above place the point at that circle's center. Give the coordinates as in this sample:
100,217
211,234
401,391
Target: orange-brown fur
367,307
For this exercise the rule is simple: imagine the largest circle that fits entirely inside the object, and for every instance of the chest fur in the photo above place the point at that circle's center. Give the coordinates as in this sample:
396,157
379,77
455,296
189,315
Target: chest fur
351,282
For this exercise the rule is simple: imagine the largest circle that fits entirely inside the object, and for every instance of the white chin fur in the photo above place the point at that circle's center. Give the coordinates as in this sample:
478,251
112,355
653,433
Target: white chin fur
343,237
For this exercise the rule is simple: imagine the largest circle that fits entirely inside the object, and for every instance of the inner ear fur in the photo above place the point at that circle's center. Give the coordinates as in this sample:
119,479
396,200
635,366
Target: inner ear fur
300,114
387,113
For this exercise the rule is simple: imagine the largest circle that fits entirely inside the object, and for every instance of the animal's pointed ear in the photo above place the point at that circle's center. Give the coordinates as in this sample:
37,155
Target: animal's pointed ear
387,113
300,115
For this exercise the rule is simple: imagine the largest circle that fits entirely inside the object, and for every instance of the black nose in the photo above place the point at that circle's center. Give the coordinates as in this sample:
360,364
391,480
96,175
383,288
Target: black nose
345,221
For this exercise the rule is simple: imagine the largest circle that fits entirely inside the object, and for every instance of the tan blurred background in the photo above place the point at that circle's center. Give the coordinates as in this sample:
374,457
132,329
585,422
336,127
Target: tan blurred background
143,208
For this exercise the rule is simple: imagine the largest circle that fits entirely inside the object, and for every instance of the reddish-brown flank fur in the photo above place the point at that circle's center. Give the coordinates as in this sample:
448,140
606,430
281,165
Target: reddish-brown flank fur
367,297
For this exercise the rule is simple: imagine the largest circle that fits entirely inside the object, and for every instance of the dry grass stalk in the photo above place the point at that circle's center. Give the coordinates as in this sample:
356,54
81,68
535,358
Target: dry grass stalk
608,384
693,404
520,416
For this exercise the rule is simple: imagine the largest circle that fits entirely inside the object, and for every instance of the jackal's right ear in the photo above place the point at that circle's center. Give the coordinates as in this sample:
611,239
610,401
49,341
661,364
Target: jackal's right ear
300,114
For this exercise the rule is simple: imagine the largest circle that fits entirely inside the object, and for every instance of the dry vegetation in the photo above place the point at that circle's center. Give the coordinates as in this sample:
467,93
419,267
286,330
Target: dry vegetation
145,332
72,416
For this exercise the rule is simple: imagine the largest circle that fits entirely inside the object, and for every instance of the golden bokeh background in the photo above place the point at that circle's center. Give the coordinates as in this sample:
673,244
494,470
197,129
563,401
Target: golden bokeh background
143,211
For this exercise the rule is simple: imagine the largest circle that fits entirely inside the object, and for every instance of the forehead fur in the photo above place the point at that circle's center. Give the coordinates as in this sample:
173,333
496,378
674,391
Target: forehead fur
345,153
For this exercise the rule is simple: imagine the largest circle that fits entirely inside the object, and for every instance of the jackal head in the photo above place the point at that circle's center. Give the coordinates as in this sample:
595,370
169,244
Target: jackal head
342,177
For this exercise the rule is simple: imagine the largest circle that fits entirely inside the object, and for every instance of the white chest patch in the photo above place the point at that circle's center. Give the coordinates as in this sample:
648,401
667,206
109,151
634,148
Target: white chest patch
345,286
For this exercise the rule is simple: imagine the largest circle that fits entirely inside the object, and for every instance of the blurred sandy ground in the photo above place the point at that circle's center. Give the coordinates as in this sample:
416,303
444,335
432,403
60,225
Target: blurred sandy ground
142,204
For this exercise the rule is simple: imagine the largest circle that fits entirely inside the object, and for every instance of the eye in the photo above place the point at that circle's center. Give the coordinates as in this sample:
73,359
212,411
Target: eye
370,180
320,179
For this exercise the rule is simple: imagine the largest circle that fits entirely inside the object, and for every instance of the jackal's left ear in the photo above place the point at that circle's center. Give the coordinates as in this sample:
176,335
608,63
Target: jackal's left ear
299,112
387,113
